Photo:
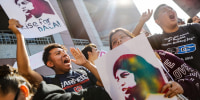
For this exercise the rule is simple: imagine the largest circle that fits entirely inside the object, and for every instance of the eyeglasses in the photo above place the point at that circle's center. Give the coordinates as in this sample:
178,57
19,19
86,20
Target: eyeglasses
17,94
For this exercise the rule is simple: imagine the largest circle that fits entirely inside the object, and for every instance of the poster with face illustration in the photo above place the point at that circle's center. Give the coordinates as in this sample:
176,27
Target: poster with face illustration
38,17
131,71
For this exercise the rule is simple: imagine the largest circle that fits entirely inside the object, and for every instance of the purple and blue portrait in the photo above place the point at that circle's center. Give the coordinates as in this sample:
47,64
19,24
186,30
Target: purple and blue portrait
34,8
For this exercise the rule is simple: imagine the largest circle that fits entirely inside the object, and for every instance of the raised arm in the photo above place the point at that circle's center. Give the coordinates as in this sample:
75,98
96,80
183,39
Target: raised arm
81,60
145,17
23,63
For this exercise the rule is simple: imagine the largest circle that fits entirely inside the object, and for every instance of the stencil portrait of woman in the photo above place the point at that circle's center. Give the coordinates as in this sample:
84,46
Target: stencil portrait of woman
136,77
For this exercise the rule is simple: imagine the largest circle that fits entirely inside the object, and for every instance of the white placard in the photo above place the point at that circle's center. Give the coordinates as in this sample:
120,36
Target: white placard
38,17
132,66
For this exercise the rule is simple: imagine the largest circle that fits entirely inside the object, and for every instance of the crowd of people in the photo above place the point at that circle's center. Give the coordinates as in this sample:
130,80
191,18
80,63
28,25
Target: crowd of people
178,44
194,19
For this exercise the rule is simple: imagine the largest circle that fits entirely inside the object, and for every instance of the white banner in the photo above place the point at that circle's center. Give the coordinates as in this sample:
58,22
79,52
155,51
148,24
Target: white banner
38,17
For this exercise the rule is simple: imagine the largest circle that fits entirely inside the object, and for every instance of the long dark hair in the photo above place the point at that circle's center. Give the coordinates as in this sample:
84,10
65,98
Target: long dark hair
10,80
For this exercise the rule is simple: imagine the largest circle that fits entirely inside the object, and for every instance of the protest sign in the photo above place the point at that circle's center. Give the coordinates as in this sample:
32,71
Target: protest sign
102,52
38,17
131,70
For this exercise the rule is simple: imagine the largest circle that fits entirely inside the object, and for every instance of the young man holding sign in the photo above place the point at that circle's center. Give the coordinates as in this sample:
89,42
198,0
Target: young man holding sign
55,57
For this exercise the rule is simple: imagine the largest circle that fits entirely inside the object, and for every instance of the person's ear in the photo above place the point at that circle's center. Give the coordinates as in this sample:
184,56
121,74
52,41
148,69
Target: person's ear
157,21
50,64
25,90
89,53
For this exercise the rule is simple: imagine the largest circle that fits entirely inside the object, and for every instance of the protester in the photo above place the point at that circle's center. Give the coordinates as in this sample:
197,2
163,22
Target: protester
55,57
186,79
179,40
183,41
194,19
91,52
13,86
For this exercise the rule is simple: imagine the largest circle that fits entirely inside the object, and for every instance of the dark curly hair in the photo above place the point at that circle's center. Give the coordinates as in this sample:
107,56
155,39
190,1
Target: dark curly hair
48,48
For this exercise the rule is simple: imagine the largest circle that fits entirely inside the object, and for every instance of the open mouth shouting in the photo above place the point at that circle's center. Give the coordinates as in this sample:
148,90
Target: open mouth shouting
172,16
67,61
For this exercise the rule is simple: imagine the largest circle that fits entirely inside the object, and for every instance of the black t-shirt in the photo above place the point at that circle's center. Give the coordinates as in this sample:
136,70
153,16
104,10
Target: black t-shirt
74,80
53,92
184,43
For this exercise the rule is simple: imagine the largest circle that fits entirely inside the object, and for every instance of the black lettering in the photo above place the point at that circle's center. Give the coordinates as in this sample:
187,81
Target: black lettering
35,24
30,25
